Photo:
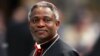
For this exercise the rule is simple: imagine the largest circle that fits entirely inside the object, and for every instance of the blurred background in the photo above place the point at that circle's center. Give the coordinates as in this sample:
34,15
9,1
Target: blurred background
80,26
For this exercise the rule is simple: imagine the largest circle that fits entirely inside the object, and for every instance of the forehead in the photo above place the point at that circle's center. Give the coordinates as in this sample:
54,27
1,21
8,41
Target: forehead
42,11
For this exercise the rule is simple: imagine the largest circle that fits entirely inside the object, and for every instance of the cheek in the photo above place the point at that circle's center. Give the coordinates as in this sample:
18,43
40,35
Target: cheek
52,27
31,26
51,24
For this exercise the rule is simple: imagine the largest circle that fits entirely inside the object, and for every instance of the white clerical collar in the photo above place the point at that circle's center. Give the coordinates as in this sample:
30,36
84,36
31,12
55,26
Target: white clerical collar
39,45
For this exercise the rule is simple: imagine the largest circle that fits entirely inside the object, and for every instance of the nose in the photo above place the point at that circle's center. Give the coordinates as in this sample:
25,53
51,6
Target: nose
41,24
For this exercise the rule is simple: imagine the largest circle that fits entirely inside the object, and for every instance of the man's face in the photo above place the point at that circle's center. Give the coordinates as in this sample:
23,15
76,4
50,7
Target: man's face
43,24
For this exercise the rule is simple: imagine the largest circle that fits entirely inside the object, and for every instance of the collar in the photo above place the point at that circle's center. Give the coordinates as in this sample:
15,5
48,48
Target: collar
46,44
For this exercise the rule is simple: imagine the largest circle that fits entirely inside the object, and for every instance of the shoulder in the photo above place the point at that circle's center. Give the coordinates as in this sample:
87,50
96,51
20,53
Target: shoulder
61,44
65,49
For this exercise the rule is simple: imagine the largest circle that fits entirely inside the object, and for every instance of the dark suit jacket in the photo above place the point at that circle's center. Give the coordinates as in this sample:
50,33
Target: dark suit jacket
59,48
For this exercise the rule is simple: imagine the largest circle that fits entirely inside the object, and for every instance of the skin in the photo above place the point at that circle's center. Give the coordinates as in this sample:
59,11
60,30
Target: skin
43,24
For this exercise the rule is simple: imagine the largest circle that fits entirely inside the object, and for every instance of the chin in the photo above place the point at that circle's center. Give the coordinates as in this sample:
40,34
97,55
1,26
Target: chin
41,36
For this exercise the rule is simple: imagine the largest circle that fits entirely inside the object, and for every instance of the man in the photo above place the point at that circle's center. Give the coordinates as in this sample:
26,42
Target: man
44,22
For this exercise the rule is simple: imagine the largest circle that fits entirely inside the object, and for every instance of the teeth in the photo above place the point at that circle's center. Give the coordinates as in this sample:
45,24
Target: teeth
41,31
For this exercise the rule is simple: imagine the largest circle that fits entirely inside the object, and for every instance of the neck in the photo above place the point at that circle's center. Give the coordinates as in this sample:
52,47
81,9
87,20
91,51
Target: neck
38,42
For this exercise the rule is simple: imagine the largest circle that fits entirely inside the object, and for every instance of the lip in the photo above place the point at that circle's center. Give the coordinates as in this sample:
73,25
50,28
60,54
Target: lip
40,31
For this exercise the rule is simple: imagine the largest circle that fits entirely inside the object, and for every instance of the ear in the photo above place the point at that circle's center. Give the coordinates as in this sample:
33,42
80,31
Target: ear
28,22
58,23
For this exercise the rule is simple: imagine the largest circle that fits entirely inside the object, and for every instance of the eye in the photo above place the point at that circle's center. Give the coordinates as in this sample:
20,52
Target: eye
47,19
34,19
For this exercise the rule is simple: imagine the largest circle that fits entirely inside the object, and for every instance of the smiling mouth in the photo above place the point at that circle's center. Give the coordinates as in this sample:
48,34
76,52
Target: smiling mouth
41,31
